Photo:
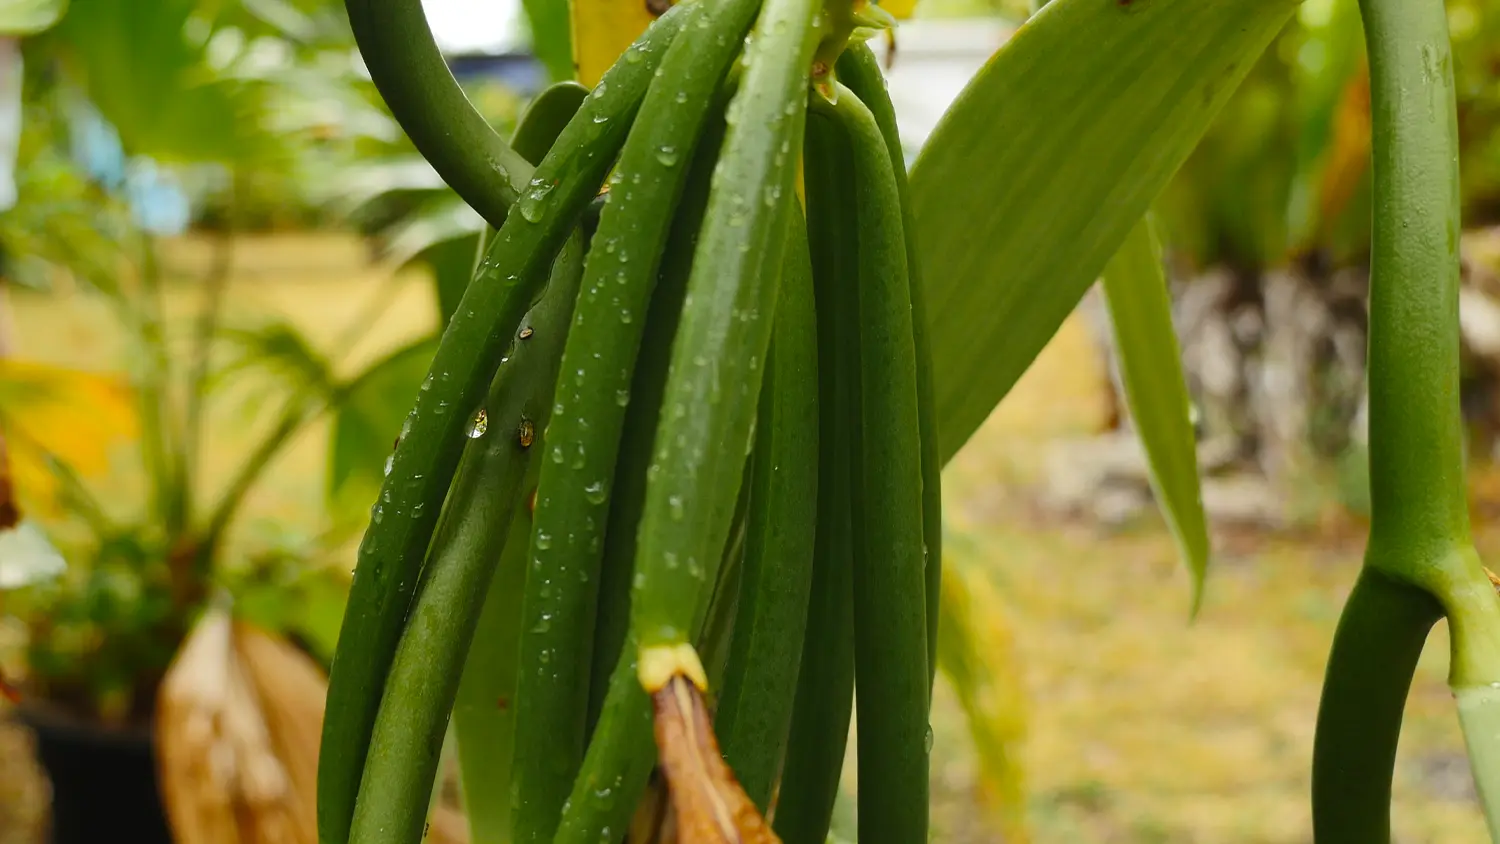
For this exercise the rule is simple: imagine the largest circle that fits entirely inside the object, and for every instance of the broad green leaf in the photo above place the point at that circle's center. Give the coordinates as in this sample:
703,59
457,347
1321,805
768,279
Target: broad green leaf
1035,175
28,17
367,421
1140,314
551,40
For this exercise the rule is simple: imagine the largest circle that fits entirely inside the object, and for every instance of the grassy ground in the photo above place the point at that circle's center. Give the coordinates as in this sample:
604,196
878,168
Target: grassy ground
1142,727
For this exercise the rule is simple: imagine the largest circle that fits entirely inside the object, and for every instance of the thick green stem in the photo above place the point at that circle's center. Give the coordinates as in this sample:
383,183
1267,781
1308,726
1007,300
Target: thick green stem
409,71
1375,653
1417,494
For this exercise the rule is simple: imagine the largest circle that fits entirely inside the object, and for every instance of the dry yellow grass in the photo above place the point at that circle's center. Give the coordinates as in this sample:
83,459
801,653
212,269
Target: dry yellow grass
1142,727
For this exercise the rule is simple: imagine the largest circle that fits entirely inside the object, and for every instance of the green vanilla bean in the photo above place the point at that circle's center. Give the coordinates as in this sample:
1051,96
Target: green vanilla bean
402,521
713,382
890,617
859,71
824,700
409,72
1419,530
584,436
483,710
755,707
396,787
646,387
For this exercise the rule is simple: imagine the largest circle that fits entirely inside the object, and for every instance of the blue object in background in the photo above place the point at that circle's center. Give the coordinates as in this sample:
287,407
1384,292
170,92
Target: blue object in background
521,72
154,194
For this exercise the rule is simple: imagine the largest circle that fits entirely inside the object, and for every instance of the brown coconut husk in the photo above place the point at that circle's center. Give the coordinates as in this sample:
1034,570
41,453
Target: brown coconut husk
238,724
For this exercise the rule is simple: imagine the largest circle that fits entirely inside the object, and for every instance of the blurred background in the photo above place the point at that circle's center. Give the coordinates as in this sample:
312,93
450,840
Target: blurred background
222,267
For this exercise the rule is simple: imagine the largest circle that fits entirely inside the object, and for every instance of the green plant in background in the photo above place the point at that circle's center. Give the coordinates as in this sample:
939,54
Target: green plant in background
101,636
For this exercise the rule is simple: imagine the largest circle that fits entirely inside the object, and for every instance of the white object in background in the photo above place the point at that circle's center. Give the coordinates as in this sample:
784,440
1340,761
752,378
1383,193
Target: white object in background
10,118
935,59
476,27
26,557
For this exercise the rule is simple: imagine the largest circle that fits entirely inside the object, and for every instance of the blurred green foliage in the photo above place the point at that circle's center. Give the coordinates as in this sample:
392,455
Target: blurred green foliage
1283,174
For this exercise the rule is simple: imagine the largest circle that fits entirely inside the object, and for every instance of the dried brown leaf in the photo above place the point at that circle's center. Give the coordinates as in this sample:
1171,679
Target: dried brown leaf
708,803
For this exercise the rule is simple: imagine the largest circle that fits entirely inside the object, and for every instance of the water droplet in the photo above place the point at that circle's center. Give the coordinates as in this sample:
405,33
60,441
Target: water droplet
638,581
557,454
545,656
622,398
601,118
578,377
479,424
534,200
633,55
670,559
377,514
674,506
681,97
626,316
667,156
426,383
389,462
543,541
927,741
578,457
599,90
595,492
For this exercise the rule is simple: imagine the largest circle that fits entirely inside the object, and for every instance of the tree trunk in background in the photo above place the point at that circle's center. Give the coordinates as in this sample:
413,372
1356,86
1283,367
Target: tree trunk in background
1275,364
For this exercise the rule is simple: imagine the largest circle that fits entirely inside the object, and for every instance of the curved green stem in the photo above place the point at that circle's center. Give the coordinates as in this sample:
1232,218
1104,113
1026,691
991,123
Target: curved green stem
1420,561
408,70
1375,653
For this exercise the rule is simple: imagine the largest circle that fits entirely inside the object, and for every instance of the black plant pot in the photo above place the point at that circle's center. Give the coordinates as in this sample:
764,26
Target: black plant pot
103,782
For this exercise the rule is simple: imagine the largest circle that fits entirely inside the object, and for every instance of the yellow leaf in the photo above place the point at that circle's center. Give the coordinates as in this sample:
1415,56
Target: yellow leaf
899,9
71,416
602,29
977,654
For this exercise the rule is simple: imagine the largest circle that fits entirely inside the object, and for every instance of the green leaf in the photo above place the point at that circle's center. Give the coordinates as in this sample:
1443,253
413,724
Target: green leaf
452,264
366,423
157,87
28,17
1140,313
551,38
1039,169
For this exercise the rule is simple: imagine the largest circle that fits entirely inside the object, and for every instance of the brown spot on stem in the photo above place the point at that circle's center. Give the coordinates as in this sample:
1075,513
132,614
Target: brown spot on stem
526,433
1494,578
526,333
708,804
657,8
